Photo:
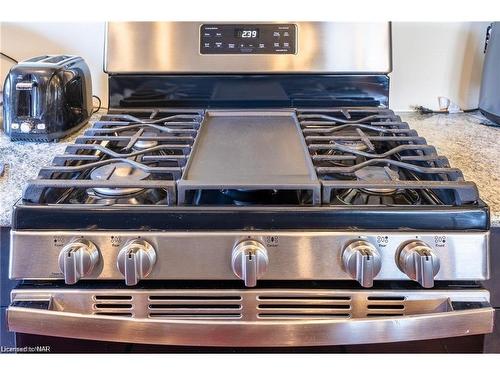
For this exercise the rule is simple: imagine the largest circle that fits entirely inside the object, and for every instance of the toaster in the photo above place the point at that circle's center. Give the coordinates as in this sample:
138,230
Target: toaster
47,98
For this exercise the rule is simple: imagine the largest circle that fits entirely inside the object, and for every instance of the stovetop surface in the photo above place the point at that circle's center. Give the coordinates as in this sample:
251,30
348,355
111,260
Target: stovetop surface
318,162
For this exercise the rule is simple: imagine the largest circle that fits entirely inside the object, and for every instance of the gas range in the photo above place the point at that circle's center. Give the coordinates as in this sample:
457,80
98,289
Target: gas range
213,206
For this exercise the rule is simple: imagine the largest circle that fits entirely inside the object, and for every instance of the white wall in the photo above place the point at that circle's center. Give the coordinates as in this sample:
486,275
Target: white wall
432,59
24,40
429,59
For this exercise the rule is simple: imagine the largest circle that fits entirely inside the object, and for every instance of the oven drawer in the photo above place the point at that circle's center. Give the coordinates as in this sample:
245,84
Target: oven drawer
250,318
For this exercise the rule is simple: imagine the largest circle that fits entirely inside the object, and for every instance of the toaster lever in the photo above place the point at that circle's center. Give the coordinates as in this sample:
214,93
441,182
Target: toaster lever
25,85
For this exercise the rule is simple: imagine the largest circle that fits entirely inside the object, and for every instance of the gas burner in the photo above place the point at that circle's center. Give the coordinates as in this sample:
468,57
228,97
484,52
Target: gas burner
370,197
370,157
388,195
357,145
122,172
337,152
377,174
133,158
145,144
141,197
117,172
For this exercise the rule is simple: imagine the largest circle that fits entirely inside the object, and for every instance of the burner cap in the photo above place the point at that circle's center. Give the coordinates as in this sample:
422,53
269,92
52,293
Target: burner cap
118,172
376,174
142,144
355,145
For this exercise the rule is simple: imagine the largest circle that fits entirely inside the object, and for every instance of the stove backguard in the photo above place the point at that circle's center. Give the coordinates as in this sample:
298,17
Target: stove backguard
247,65
248,48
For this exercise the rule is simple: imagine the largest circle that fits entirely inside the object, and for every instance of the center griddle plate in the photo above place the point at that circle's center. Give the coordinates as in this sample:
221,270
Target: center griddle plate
249,150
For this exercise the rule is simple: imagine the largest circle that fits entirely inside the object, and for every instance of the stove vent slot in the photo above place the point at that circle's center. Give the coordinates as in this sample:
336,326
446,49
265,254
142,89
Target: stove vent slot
198,298
304,307
113,305
113,298
194,307
301,298
386,298
382,306
113,313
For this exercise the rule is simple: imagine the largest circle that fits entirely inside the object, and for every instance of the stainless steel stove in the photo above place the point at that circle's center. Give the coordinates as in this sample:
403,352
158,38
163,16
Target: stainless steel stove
249,187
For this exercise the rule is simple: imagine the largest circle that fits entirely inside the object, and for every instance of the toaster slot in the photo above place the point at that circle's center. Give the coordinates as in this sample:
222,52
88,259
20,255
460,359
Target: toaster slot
26,97
23,103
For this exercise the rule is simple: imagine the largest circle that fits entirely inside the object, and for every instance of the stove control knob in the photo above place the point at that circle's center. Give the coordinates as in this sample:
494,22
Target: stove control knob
362,261
419,262
136,260
77,259
249,261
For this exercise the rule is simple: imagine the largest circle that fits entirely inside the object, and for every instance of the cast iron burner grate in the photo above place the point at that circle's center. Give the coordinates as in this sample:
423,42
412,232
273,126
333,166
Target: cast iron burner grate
370,157
330,157
123,159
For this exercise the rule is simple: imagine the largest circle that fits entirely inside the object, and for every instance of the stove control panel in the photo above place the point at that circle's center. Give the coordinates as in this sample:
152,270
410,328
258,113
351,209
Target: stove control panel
244,39
250,256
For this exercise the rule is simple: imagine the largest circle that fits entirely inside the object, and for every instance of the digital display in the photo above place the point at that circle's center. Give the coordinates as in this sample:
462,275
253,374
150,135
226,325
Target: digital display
246,33
246,39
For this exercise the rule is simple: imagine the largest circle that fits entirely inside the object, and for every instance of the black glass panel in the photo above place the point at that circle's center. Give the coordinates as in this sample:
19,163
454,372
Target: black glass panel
247,91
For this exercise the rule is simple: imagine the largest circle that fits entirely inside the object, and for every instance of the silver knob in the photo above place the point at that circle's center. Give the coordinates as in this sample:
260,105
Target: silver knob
26,127
362,261
77,259
136,260
249,261
419,262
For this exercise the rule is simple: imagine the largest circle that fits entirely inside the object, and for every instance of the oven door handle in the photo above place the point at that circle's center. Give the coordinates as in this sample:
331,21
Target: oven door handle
460,319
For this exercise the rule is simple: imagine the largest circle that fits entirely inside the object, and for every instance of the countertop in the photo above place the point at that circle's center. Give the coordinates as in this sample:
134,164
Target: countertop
21,161
462,138
470,146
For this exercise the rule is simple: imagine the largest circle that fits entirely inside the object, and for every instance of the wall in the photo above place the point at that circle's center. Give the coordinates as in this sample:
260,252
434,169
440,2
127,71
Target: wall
429,59
24,40
433,59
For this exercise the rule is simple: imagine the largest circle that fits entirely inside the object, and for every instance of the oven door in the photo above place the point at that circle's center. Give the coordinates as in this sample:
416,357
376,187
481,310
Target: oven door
271,317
